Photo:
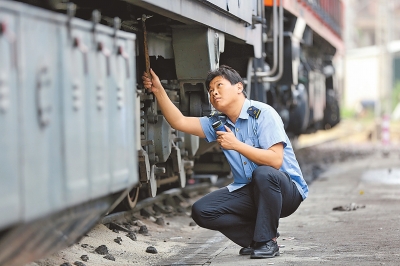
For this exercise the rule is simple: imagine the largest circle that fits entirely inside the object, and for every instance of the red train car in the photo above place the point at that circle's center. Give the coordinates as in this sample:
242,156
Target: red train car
305,90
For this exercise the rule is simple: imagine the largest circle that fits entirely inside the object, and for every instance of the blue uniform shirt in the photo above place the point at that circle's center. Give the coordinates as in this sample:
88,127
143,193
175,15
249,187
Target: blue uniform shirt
263,132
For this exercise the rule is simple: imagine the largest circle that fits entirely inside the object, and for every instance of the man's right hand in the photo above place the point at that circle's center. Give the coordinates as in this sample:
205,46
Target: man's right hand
153,83
171,113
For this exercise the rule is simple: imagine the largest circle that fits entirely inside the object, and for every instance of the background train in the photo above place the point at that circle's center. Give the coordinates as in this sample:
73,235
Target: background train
79,135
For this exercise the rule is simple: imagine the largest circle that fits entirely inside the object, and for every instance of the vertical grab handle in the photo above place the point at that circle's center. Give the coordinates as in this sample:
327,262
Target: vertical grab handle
125,56
76,86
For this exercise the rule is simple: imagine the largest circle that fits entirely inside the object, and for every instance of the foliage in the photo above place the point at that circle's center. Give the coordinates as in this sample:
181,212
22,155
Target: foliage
347,113
396,95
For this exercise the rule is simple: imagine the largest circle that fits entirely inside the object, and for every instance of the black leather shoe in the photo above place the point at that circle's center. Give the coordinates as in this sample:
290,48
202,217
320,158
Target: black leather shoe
268,250
248,250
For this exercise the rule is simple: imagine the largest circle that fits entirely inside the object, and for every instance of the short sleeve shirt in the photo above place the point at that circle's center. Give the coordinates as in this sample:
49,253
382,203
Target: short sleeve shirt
262,132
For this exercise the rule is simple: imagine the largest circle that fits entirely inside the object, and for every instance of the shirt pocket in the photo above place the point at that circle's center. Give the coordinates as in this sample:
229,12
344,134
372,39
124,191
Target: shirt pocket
252,142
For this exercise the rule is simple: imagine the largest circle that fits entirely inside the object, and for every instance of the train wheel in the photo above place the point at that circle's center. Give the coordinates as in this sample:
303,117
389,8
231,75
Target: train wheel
152,185
300,114
129,202
132,198
332,111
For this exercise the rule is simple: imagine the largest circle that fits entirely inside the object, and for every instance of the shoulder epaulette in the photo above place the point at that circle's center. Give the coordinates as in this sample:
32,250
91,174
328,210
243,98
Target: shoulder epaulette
254,112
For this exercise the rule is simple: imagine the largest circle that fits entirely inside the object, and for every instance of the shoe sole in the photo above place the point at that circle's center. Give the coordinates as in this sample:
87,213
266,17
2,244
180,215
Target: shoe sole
245,253
265,256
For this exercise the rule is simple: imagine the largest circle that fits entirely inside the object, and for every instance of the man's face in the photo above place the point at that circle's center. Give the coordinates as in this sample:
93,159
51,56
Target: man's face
222,92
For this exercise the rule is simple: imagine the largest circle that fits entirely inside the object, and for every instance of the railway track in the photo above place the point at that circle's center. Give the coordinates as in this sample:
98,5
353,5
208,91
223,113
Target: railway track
171,198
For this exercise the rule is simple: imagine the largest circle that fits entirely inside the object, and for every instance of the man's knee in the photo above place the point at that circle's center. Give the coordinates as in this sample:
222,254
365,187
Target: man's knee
197,214
204,215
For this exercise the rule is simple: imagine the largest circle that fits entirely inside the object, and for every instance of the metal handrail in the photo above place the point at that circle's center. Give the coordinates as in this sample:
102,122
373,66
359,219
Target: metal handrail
264,75
275,40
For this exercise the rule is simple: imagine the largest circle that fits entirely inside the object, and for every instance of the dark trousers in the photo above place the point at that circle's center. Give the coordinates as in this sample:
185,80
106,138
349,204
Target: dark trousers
251,212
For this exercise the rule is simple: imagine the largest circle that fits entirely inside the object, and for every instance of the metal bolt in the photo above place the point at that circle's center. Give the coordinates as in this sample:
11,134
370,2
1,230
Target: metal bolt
159,170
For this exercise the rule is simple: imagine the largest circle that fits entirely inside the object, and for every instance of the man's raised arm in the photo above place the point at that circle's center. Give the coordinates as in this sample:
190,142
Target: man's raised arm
172,114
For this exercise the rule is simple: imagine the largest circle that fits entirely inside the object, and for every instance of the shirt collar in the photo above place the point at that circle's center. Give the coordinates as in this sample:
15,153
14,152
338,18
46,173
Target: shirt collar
243,112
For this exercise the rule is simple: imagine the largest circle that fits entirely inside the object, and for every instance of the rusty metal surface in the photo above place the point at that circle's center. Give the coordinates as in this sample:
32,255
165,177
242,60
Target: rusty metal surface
145,45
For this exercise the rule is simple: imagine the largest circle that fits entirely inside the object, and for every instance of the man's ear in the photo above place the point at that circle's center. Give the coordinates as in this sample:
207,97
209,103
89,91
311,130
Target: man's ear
240,87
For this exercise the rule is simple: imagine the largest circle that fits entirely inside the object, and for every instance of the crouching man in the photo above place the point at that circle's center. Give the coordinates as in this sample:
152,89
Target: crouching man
268,183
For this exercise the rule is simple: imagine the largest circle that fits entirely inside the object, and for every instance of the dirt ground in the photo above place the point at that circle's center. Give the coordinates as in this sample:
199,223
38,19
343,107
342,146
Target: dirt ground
166,236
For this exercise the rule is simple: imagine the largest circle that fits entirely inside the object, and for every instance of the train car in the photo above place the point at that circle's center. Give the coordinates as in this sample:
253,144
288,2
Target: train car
80,136
68,142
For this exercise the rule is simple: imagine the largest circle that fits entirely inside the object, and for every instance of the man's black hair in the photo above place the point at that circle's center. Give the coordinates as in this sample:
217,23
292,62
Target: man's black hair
226,72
